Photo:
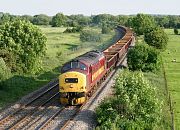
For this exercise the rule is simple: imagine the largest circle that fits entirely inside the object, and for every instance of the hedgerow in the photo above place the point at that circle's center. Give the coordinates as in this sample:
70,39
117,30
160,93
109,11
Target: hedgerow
135,105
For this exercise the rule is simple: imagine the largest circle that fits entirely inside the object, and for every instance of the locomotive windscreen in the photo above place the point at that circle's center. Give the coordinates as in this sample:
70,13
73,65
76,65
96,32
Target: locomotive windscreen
71,80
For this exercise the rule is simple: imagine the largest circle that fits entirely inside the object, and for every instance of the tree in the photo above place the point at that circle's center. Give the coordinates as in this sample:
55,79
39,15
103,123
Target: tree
122,19
107,19
101,18
141,22
156,37
59,20
5,18
173,21
27,18
26,42
41,19
78,20
175,31
143,57
162,21
134,107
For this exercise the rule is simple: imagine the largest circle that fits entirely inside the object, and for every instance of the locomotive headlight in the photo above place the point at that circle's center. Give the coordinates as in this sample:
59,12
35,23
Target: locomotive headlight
62,88
71,85
66,80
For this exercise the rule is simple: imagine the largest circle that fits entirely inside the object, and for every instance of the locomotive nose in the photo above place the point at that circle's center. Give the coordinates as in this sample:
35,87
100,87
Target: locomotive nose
72,88
72,82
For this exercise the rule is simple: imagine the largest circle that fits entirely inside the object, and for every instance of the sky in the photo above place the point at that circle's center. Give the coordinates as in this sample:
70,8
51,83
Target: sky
90,7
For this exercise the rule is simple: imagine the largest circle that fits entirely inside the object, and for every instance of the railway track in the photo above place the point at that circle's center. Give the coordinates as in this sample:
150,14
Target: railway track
31,116
59,119
27,109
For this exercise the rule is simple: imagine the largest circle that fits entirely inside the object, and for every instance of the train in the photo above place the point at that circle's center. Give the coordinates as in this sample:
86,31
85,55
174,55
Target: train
82,75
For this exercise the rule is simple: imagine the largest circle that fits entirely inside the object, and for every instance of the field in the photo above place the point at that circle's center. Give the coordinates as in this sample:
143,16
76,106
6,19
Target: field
157,79
61,47
172,70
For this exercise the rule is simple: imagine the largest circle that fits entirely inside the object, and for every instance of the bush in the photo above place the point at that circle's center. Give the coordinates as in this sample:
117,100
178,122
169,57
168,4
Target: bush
105,30
73,30
175,31
143,57
90,36
26,42
156,37
134,107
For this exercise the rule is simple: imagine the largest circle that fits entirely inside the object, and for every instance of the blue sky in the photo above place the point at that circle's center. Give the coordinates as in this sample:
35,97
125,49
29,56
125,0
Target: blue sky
89,7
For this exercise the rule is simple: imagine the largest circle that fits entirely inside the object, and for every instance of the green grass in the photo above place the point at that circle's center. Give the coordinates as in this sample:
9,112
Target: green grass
173,72
68,45
61,47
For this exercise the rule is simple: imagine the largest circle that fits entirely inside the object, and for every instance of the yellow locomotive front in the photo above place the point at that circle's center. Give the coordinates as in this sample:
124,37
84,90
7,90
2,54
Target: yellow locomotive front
72,88
75,82
72,83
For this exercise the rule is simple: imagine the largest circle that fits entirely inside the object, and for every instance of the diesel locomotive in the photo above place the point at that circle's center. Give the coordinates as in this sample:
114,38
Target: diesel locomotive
84,73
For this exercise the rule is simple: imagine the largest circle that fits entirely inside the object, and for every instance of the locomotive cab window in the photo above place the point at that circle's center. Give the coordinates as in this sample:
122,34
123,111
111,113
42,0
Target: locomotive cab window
83,66
74,64
66,67
71,80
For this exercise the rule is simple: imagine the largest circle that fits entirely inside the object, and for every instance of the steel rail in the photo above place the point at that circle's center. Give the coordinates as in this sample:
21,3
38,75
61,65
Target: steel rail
6,118
47,122
23,119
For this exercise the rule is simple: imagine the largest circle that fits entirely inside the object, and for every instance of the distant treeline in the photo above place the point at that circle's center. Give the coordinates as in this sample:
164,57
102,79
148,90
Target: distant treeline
166,21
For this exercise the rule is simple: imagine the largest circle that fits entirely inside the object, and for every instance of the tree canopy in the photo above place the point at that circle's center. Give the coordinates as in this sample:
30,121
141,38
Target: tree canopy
59,20
40,19
141,22
143,57
156,37
25,42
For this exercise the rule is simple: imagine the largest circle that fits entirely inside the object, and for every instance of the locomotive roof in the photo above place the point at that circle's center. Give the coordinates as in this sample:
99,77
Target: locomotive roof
89,57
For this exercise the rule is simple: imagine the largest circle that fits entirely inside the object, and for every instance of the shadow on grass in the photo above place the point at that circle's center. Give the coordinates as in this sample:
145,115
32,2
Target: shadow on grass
70,46
17,86
53,33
